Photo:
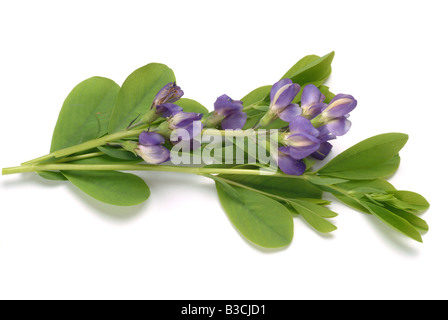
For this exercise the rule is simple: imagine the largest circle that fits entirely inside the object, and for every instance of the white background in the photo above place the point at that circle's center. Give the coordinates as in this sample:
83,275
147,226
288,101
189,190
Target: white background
57,243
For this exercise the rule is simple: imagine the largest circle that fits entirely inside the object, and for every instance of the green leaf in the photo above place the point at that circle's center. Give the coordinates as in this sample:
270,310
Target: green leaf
85,113
311,69
251,121
190,105
314,215
260,219
325,181
381,170
52,175
351,203
320,202
137,94
112,187
411,200
367,190
317,208
325,90
393,220
411,218
257,96
370,153
290,188
380,184
120,154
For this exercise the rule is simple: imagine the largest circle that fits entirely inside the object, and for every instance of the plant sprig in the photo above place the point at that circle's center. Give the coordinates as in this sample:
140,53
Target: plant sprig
104,129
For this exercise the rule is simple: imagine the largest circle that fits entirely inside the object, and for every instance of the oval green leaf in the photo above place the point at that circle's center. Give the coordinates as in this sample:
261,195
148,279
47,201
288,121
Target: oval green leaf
137,94
52,175
380,184
381,170
315,215
393,220
85,113
260,219
371,153
256,96
311,69
410,217
190,105
413,200
290,188
112,187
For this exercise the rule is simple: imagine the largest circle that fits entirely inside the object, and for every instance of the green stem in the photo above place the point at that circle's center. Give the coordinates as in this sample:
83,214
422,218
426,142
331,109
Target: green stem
138,167
80,157
86,145
122,135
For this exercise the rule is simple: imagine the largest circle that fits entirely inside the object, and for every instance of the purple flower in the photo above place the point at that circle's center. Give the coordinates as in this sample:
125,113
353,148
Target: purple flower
185,125
150,148
336,114
168,94
288,164
303,139
282,94
324,147
323,151
168,109
229,112
312,101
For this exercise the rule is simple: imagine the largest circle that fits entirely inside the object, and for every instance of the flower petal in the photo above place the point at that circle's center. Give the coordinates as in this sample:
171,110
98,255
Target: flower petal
314,110
153,154
339,106
301,145
289,165
234,121
310,95
150,138
183,119
303,125
323,151
290,112
189,132
324,134
303,152
224,105
279,85
285,96
168,94
339,126
168,109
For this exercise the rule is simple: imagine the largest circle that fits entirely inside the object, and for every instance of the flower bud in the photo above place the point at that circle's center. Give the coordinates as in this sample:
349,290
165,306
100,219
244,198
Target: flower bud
312,101
150,148
340,105
229,113
168,94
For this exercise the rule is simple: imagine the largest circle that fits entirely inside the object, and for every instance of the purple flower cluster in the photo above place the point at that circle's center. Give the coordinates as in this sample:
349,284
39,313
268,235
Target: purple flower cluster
311,125
180,125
